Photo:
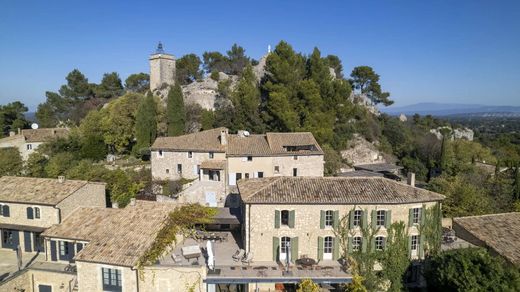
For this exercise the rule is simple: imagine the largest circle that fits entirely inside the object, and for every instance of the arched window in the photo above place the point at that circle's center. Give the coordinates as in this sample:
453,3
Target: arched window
4,210
37,212
30,213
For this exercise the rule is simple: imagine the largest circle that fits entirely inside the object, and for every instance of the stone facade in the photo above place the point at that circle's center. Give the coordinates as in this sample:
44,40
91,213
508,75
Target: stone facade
162,71
91,195
90,277
165,167
18,142
259,225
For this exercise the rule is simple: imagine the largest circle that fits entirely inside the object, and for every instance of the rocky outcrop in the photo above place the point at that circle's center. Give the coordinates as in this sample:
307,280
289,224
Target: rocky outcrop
360,151
458,133
363,100
259,69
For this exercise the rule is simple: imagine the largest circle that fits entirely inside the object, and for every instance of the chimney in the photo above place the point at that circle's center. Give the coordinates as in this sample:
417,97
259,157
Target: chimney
223,137
115,205
12,133
411,179
19,131
61,179
132,202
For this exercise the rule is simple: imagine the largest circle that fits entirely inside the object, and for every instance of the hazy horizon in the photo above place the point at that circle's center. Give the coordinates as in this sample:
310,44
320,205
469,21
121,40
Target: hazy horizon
465,53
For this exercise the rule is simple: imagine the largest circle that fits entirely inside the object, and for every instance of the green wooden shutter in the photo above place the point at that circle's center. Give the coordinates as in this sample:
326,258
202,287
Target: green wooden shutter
410,217
351,219
294,249
322,219
423,214
421,246
388,219
292,213
410,247
335,251
320,248
276,248
276,219
364,221
350,248
374,219
364,244
373,244
335,222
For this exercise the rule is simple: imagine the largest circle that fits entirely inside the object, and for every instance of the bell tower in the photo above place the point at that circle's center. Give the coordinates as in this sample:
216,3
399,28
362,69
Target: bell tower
162,69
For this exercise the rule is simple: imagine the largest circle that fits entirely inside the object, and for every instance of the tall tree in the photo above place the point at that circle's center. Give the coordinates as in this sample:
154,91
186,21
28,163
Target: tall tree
12,163
215,62
110,86
516,184
335,63
175,112
365,79
145,124
139,83
188,69
246,100
237,59
77,86
12,117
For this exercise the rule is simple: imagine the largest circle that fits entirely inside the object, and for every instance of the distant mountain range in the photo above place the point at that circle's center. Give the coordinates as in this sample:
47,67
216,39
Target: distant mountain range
454,109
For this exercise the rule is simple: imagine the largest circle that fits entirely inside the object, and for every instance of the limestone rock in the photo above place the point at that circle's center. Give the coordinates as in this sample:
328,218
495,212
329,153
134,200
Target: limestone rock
259,69
403,118
458,133
363,100
360,151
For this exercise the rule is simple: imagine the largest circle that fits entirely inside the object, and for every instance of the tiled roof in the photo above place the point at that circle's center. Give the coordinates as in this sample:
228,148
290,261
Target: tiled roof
201,141
378,167
45,191
238,145
44,134
500,232
116,236
213,164
331,190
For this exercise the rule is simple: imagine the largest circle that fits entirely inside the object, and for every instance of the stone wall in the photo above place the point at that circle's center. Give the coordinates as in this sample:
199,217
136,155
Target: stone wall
90,195
90,277
163,278
59,282
260,228
18,215
169,162
162,70
20,282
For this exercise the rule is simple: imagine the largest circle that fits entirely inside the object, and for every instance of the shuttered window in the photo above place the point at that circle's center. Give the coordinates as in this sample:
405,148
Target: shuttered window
356,220
30,213
356,243
36,212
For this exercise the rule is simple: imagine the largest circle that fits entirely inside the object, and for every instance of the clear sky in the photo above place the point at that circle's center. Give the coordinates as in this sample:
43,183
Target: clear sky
425,51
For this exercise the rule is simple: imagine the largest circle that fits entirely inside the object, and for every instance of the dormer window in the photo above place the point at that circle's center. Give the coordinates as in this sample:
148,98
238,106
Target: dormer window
29,146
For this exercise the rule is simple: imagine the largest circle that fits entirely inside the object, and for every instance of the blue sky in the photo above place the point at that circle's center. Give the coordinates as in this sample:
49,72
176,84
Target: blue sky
425,51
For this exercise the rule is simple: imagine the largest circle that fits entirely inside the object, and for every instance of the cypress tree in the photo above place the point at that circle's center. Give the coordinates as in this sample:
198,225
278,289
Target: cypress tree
175,112
516,184
246,99
145,124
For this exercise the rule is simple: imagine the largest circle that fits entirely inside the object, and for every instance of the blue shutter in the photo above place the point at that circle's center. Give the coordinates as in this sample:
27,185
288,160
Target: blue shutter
30,213
27,235
6,210
79,246
54,256
71,251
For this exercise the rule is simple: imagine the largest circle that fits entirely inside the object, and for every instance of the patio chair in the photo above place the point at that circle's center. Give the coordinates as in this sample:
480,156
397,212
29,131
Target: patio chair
239,255
248,258
176,258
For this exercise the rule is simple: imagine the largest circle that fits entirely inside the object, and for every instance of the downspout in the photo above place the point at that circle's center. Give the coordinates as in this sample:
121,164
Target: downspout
248,227
137,279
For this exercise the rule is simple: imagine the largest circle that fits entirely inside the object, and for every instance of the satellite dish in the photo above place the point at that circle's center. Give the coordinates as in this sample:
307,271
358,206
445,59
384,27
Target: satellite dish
34,126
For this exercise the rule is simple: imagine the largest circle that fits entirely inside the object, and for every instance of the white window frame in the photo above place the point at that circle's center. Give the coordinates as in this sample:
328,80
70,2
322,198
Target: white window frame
415,243
380,217
329,218
358,216
284,251
29,146
416,215
357,242
328,247
39,212
380,243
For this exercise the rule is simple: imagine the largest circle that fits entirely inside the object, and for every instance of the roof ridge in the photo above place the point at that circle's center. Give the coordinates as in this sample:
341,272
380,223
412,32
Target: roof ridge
486,215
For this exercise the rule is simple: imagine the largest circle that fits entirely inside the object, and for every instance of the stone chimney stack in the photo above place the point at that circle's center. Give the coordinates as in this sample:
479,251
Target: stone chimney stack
61,179
223,137
411,179
12,133
132,202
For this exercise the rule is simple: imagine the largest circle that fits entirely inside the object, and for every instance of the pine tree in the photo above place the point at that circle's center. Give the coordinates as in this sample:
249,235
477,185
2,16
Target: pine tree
446,154
175,112
246,100
145,124
516,184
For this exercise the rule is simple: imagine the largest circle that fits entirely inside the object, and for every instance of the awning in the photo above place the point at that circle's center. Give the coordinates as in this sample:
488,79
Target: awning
213,164
22,227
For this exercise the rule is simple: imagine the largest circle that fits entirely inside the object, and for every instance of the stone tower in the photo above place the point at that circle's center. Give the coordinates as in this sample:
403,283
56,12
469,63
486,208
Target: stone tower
162,69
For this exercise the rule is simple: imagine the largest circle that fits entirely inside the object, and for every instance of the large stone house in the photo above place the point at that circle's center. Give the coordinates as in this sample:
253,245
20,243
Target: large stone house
28,140
216,160
28,206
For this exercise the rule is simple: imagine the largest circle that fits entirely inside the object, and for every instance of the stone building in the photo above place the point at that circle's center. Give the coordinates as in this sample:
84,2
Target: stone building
28,140
28,206
216,160
162,70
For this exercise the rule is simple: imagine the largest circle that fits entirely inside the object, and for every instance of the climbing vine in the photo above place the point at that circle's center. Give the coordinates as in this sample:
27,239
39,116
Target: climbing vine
430,229
179,222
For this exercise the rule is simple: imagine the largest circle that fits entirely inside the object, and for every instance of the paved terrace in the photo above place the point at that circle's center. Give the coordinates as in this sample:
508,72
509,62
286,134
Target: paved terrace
228,270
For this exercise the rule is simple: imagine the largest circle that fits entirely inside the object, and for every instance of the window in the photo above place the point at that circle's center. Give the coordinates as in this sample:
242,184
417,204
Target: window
357,217
295,157
356,243
179,168
36,213
167,170
284,217
29,146
415,242
214,175
250,158
239,176
276,169
329,215
260,174
64,249
190,154
416,214
30,213
246,175
284,247
160,153
327,244
112,280
380,218
295,172
211,155
4,210
380,243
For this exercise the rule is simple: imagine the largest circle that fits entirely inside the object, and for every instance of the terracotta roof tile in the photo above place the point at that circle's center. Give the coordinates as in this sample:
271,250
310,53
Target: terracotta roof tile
44,134
201,141
331,190
500,232
46,191
213,164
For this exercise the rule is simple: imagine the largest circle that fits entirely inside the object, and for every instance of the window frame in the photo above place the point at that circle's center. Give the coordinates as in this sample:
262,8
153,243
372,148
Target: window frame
160,153
249,158
190,154
37,212
414,246
284,217
276,169
328,244
63,248
379,243
283,244
416,215
29,146
295,172
358,217
380,218
111,279
329,218
260,174
357,243
179,168
211,154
